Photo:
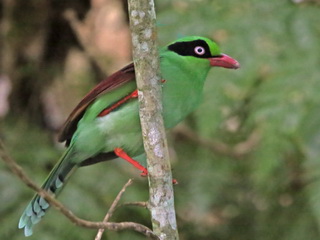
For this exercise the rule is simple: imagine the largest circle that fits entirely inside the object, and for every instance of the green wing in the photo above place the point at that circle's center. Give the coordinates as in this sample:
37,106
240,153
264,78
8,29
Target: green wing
113,82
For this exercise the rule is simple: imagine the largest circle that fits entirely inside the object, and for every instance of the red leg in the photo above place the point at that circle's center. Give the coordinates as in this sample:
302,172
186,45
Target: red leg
122,154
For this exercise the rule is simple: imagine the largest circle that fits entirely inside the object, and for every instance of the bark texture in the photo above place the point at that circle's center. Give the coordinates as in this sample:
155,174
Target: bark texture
145,54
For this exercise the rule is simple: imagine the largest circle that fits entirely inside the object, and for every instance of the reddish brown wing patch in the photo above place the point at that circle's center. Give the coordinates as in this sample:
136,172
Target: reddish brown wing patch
114,81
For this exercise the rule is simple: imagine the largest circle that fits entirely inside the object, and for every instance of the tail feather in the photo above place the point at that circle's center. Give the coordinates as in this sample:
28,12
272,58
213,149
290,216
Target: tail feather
38,206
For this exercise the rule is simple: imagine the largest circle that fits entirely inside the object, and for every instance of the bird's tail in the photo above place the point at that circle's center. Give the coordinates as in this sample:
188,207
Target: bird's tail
38,206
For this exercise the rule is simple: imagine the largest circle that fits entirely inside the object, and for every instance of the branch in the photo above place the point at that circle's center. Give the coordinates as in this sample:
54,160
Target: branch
18,171
82,35
113,208
216,147
135,204
237,151
317,2
147,68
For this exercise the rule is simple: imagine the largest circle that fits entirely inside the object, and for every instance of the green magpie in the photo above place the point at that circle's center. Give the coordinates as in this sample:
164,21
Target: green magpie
105,125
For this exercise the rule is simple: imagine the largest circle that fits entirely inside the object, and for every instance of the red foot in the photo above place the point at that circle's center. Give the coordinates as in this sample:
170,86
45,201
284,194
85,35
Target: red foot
106,111
122,154
134,94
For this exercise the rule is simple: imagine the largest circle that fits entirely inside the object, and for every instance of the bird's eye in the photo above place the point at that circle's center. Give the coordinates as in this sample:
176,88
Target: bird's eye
199,50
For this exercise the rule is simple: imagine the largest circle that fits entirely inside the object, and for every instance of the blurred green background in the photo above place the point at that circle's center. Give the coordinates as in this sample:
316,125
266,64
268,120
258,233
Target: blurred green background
247,160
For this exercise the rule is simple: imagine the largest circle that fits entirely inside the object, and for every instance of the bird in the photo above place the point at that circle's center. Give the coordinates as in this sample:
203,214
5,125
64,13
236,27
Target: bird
105,125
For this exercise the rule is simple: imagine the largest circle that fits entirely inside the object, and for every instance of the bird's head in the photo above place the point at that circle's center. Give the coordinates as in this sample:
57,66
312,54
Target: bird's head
203,48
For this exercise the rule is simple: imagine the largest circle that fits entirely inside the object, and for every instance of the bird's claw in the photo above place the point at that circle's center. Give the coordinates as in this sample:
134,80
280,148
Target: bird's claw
145,174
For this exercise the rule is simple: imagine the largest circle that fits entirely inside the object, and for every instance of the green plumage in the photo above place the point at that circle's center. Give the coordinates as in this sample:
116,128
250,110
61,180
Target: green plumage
184,69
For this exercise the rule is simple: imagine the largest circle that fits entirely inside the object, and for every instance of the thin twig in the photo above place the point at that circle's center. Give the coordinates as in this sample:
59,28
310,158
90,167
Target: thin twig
135,204
237,151
18,171
83,37
317,2
78,29
113,208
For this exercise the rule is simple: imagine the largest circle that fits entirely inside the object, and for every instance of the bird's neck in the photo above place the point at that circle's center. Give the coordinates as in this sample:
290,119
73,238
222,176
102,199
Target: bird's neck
182,89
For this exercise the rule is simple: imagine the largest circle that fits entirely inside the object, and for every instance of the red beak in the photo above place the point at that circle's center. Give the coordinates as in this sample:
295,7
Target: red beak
225,61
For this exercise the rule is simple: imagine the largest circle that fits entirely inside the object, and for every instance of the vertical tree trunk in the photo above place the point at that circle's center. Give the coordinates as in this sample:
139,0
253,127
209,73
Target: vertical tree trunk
145,54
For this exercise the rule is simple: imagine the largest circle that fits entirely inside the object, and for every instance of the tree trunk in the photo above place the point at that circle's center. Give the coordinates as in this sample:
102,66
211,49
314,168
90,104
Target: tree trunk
145,54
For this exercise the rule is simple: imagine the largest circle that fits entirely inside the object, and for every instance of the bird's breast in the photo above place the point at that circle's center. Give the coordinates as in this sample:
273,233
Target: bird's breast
179,100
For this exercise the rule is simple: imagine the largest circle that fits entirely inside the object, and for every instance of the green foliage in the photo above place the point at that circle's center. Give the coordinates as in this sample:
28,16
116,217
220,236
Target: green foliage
271,192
